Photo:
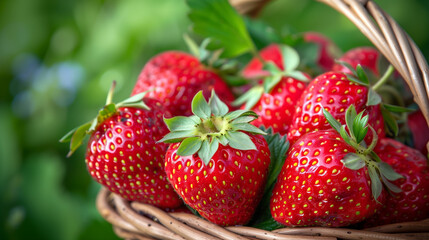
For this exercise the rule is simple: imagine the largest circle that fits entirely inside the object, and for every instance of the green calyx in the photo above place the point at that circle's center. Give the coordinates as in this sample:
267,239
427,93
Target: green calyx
78,134
212,124
357,125
290,59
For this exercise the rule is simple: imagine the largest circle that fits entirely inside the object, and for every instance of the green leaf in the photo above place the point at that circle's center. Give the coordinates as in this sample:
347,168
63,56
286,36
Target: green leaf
240,141
355,80
350,118
290,58
332,121
360,128
200,107
218,20
297,75
208,149
376,186
348,66
397,109
345,135
177,136
240,113
181,123
192,45
353,161
223,140
189,146
390,122
373,98
247,127
134,101
392,187
218,108
271,81
243,119
362,75
78,137
251,97
387,171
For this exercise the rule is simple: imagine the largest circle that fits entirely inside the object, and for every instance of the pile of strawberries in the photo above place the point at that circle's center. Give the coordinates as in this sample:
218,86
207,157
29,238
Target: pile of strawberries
304,144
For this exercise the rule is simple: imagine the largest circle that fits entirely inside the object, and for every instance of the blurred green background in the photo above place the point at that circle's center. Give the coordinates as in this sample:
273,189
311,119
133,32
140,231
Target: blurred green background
57,60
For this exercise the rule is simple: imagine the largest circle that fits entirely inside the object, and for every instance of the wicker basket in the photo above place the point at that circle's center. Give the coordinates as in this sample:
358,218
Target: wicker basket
133,220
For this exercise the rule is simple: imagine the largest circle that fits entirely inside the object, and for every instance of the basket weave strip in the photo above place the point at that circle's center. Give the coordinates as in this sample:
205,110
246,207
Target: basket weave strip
143,221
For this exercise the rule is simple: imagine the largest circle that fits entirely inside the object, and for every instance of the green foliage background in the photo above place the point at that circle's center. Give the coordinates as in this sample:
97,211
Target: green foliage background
57,60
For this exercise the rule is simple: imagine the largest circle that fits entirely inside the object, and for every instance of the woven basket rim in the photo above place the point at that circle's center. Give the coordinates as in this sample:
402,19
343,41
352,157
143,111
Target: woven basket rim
134,220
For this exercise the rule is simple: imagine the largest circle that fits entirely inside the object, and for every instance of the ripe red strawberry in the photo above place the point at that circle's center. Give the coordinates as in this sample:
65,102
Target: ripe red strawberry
334,92
175,77
367,57
419,131
217,168
255,68
327,49
330,179
123,153
412,203
275,98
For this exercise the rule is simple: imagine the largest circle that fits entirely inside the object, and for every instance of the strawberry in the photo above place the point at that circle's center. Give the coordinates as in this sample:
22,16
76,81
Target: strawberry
411,204
334,92
274,100
330,178
419,131
175,77
367,57
327,49
217,168
122,153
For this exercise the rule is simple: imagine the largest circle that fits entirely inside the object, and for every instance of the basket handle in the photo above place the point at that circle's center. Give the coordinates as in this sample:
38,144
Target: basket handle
386,35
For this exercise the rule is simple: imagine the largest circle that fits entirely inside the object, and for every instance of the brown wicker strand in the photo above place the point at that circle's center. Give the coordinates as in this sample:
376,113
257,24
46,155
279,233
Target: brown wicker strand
129,235
142,223
109,214
342,233
418,226
262,234
207,226
171,223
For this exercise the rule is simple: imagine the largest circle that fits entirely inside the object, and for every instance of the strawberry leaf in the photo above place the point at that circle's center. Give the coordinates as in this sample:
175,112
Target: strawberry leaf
376,186
243,119
240,141
350,118
373,98
181,123
397,109
218,108
346,137
392,187
360,128
177,136
240,113
134,101
218,20
389,121
290,58
361,74
332,121
250,98
208,149
353,161
189,146
297,75
348,66
387,171
200,107
78,137
271,81
247,128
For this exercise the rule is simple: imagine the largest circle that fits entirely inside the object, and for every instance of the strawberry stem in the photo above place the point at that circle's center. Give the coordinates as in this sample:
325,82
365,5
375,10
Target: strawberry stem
384,78
110,94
